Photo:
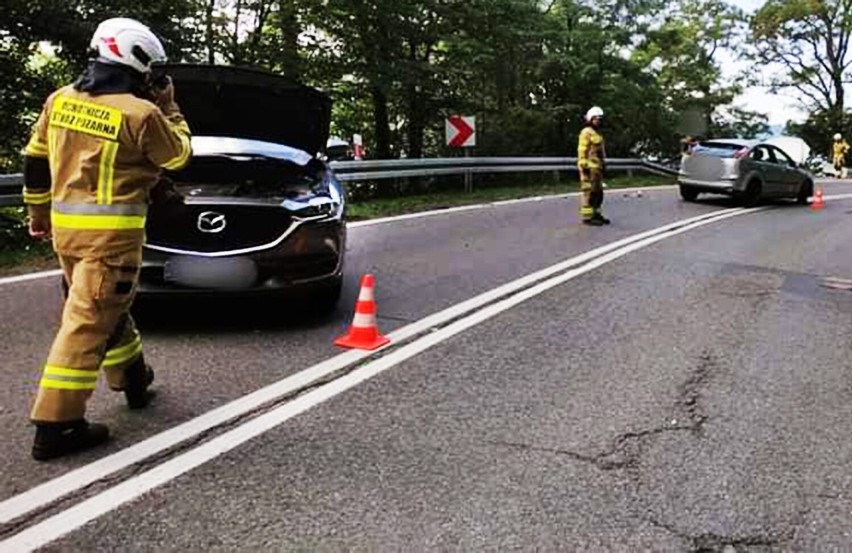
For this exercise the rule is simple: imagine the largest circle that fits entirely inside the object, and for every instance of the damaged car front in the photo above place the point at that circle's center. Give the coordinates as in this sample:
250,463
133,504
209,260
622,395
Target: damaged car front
256,211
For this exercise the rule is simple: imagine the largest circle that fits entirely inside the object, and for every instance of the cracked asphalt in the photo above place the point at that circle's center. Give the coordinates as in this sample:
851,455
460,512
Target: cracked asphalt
691,396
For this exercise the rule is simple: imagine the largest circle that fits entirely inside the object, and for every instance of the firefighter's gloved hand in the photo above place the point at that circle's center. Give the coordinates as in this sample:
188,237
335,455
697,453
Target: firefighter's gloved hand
39,224
164,97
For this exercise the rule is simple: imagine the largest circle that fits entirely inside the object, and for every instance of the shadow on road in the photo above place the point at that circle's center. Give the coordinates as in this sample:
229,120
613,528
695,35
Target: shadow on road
728,202
230,315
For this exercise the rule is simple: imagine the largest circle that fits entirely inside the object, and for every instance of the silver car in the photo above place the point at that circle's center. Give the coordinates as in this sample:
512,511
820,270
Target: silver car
745,169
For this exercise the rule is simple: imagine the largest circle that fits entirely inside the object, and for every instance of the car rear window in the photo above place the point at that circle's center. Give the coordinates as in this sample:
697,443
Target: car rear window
719,149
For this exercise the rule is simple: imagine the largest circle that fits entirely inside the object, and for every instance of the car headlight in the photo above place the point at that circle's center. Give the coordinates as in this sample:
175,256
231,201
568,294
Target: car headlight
322,208
327,203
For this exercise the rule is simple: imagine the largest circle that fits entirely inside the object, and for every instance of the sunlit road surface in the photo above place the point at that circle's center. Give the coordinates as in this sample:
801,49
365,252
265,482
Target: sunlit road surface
686,388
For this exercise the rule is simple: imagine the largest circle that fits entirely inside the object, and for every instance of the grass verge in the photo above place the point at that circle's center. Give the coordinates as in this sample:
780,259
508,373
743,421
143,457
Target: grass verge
19,254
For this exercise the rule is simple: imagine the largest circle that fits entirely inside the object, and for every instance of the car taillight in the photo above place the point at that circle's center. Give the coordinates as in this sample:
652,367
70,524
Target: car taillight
741,153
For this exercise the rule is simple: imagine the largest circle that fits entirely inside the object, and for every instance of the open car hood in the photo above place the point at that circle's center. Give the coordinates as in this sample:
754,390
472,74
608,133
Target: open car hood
240,102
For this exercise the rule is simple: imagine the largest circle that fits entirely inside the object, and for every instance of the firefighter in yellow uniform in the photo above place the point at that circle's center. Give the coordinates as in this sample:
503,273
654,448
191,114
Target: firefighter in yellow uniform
97,151
591,156
839,151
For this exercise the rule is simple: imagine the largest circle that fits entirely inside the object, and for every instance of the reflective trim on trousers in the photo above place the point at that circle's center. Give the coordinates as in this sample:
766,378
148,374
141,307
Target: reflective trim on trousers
63,378
123,354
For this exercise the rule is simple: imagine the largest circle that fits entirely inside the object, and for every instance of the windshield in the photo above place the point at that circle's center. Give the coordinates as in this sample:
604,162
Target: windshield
719,149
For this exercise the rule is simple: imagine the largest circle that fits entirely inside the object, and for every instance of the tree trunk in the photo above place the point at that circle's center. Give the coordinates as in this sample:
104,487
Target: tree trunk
290,30
211,50
382,123
415,123
839,104
235,54
415,111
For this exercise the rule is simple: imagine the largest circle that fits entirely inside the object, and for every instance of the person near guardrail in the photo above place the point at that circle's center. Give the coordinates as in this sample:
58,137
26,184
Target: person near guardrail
839,149
591,161
98,149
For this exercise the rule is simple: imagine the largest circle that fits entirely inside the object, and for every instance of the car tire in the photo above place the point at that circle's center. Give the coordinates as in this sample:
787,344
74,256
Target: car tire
751,196
805,192
688,194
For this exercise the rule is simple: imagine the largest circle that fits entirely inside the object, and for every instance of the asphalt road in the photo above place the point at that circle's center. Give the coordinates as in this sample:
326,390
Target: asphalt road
693,395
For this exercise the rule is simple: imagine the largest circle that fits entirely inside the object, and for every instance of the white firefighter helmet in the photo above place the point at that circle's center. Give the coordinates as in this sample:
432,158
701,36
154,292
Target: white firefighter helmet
128,42
837,136
594,112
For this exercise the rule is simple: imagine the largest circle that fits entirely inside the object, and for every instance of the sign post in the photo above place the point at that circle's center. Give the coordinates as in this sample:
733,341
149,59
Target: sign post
358,146
461,133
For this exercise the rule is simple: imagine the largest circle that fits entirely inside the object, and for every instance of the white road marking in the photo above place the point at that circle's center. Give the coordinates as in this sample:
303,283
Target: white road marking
52,490
383,220
371,222
74,517
30,276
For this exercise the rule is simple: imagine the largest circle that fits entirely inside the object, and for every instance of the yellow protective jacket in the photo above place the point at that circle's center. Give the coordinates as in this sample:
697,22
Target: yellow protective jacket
590,150
840,148
105,153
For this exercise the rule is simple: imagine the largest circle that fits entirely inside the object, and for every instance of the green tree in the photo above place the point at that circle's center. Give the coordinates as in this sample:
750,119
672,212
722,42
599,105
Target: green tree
808,41
527,69
682,52
63,28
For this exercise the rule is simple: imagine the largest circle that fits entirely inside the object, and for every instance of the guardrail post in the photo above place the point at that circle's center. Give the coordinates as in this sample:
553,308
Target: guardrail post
468,176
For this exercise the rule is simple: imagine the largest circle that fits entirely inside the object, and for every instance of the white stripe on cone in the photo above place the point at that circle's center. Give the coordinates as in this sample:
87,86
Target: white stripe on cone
364,320
366,294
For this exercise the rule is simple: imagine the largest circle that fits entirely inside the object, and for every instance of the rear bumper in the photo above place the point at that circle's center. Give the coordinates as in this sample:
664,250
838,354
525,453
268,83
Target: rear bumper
725,186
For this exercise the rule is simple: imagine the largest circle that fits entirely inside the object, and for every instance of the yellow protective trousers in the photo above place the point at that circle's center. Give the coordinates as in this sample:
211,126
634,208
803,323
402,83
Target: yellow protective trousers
97,333
591,184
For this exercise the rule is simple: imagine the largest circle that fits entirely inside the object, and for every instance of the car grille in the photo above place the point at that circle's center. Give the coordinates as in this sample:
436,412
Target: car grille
215,228
278,272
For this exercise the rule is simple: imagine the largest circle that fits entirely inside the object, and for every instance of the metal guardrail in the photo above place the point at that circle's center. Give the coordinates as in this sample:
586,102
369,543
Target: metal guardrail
401,168
10,190
367,170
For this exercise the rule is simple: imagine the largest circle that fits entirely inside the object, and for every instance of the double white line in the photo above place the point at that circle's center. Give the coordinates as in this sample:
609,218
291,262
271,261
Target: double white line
270,407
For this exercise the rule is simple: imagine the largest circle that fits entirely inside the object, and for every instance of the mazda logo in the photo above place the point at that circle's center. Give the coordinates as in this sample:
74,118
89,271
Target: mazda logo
211,222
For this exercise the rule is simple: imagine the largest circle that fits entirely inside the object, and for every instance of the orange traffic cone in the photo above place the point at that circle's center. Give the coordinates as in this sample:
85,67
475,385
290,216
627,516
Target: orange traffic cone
819,201
364,332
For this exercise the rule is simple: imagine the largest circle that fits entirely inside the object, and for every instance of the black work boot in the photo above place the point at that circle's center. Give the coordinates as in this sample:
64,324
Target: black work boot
601,218
57,439
137,378
594,222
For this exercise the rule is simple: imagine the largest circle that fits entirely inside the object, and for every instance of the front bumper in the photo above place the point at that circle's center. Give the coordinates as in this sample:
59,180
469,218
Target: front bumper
312,256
